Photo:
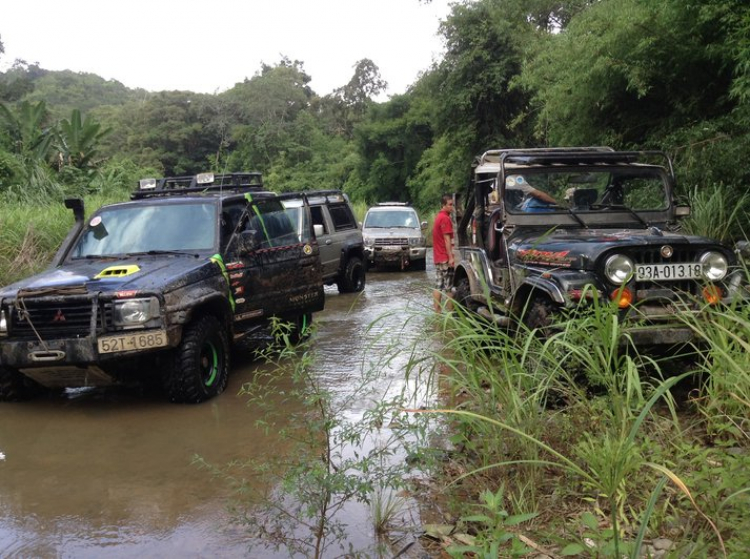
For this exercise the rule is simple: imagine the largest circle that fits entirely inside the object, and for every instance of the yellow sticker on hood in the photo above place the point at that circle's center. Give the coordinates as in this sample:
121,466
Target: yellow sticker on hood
118,271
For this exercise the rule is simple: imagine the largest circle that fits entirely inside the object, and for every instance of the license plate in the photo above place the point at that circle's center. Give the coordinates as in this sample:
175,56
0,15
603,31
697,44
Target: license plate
132,342
661,272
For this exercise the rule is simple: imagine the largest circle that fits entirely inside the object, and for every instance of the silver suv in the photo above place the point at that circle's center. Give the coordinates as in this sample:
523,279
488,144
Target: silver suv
394,236
338,234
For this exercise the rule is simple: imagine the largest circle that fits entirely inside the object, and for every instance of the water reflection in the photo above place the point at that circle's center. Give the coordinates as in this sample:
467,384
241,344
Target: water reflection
109,472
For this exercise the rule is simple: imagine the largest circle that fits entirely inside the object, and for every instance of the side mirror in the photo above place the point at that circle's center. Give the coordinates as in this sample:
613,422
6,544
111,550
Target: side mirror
247,242
318,229
682,211
423,225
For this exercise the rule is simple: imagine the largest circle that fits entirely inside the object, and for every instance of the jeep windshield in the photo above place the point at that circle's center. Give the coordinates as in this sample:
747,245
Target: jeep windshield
631,189
149,229
391,218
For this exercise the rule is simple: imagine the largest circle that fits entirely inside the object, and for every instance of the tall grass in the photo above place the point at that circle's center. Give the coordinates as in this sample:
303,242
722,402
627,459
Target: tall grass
613,448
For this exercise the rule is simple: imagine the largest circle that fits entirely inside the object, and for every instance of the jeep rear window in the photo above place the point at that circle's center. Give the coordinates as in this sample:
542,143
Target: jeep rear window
149,227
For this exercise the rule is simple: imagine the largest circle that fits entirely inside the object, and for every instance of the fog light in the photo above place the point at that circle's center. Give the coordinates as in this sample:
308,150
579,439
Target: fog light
622,296
712,294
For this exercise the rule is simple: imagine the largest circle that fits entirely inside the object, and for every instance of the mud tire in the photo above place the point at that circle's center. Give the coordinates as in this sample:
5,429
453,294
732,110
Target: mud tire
301,328
462,295
200,368
540,315
419,265
353,279
16,387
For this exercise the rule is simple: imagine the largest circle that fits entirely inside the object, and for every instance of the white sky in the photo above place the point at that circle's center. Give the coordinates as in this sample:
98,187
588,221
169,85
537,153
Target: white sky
207,46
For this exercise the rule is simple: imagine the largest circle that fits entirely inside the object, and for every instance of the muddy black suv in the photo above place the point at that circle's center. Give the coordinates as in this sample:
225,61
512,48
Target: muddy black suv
160,285
545,228
342,252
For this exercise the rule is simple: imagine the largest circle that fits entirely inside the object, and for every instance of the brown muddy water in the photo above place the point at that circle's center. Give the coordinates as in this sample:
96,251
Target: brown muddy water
109,473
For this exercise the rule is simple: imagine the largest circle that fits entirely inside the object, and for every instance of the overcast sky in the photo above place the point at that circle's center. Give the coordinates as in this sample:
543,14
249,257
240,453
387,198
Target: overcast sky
207,46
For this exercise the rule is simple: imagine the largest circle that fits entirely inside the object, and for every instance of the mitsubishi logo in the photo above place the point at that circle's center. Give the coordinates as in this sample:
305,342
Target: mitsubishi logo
59,317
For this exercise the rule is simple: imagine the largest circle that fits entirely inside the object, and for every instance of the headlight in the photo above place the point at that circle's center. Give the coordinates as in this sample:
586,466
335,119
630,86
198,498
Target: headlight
369,241
715,265
135,312
618,269
415,241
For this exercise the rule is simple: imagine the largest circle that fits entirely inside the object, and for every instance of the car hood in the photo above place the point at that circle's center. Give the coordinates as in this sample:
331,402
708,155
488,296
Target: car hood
580,249
139,274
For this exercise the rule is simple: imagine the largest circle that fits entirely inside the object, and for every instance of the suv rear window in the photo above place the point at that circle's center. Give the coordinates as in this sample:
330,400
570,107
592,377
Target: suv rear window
342,217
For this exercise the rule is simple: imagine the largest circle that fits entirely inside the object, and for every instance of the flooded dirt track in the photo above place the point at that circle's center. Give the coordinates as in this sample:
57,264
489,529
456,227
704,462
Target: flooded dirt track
109,473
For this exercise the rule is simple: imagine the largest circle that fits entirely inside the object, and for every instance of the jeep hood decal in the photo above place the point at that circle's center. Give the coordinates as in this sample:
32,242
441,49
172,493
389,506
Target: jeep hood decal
579,249
128,274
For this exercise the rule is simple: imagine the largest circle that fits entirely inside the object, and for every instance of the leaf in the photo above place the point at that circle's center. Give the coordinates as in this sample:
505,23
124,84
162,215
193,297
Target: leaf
590,520
519,518
438,531
572,549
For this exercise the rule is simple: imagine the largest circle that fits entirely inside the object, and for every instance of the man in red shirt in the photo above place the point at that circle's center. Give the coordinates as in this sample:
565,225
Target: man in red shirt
442,251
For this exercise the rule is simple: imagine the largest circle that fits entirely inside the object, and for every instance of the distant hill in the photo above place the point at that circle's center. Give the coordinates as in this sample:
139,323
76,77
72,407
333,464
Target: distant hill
65,90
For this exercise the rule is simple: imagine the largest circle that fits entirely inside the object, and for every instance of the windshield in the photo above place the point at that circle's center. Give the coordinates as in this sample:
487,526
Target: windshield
144,228
392,218
637,189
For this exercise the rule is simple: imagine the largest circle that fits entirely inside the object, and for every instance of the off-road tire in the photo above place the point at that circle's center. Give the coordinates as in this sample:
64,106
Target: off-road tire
353,278
539,315
15,387
200,367
419,265
462,295
300,329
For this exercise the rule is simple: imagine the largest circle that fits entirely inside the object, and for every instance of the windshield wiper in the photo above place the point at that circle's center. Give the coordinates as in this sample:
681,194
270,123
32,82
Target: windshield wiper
630,211
158,252
577,218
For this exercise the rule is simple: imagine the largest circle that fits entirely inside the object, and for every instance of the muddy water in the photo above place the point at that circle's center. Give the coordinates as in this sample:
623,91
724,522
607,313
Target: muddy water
109,472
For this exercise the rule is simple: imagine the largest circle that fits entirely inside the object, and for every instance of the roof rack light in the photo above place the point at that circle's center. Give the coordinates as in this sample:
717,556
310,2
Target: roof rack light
147,184
204,178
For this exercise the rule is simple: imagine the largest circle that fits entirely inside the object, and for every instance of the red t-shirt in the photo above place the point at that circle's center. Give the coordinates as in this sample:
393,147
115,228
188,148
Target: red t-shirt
442,226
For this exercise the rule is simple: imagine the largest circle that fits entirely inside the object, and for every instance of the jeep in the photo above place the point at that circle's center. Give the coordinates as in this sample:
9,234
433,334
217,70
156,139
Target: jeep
543,230
337,233
159,288
394,236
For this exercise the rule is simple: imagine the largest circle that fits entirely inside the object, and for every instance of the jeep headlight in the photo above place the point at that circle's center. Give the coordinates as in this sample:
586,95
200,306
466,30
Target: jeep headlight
618,269
135,312
714,265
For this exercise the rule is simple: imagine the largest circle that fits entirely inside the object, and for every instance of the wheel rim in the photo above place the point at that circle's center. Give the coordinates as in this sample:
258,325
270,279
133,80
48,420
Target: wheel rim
209,364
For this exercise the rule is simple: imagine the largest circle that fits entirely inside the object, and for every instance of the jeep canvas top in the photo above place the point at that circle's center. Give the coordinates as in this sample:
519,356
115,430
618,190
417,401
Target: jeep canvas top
168,280
544,228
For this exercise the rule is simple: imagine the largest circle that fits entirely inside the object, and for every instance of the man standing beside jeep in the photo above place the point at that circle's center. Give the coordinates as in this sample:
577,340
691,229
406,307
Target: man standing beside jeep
442,251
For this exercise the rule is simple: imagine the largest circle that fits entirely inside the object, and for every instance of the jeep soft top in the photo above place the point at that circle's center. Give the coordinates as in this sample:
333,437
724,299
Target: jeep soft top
169,280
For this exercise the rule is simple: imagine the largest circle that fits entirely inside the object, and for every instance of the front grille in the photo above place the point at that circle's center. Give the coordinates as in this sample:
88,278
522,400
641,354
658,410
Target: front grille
47,319
679,289
391,241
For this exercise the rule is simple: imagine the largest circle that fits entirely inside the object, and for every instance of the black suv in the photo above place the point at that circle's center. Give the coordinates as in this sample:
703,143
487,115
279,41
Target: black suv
342,252
165,282
545,228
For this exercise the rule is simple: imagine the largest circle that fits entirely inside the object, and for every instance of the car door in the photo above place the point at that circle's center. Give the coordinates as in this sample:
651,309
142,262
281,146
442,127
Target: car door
273,270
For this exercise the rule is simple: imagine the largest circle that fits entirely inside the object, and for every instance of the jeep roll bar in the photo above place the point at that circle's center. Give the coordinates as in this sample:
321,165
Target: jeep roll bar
206,183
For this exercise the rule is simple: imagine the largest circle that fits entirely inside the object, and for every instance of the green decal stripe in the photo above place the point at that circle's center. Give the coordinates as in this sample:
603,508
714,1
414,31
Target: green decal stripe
217,259
214,365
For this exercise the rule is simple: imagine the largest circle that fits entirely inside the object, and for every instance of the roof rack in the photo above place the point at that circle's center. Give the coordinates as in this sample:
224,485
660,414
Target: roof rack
202,183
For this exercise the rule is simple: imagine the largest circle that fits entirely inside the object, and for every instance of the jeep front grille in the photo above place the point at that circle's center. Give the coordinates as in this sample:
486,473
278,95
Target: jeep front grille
652,255
49,319
391,241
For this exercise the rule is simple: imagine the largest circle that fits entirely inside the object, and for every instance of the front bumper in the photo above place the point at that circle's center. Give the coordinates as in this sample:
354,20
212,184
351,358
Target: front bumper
394,254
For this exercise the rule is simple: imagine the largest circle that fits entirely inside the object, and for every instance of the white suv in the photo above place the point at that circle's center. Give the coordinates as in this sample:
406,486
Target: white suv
394,236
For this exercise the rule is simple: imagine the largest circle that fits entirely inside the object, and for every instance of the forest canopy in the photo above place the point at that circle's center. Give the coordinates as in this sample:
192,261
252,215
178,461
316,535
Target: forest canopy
632,74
